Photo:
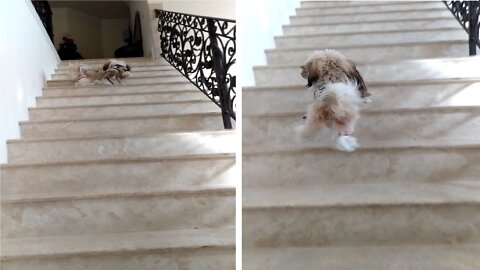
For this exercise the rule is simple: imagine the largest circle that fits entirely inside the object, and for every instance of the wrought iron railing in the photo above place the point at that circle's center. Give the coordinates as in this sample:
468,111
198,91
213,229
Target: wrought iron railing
203,49
45,13
466,13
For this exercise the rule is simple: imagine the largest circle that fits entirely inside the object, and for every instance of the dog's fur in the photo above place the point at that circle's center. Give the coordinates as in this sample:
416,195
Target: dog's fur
331,66
338,93
113,69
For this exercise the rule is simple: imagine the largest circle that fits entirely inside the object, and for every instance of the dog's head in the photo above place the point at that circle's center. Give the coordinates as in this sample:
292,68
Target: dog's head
116,64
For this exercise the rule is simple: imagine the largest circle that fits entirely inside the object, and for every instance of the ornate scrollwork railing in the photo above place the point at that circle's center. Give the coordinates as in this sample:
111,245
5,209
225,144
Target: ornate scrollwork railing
203,50
45,13
467,13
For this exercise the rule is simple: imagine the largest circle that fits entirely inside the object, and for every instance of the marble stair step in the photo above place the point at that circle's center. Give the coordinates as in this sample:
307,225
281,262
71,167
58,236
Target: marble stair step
136,209
104,148
128,81
334,4
373,17
356,27
364,214
122,110
72,69
392,257
116,98
393,71
363,54
212,249
117,175
380,162
454,123
97,90
391,38
387,96
129,126
73,75
347,10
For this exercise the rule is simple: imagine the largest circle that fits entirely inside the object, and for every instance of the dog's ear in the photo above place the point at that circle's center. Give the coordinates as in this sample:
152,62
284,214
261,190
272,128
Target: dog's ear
106,65
353,73
128,68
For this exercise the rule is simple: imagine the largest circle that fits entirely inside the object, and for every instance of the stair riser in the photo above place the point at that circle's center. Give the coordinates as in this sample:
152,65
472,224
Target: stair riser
112,90
119,99
124,148
393,73
385,97
150,73
402,15
120,111
365,39
365,27
371,127
361,225
364,55
109,177
126,127
201,259
363,257
127,81
337,4
363,166
110,215
311,11
74,68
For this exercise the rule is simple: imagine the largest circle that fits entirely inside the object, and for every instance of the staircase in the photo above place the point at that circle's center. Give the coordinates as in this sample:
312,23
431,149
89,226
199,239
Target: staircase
409,198
132,176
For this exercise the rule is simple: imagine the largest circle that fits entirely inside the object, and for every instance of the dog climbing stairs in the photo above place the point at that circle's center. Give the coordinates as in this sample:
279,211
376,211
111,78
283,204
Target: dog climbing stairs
409,197
133,176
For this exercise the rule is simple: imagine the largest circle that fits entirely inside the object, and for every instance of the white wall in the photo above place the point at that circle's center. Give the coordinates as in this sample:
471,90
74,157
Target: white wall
260,22
212,8
28,58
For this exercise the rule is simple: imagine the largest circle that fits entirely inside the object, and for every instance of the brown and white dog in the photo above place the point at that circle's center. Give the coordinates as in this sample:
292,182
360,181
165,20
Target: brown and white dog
338,90
113,69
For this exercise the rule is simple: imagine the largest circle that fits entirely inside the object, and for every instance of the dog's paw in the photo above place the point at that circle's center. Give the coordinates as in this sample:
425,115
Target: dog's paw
304,133
367,100
346,143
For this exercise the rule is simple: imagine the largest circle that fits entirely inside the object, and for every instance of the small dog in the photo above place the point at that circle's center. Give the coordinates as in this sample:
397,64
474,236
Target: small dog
113,69
338,90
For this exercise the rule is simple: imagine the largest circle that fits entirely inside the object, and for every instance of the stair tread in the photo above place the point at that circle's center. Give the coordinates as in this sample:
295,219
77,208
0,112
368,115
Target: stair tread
140,118
163,191
366,32
118,160
139,136
368,46
395,257
384,145
115,243
351,195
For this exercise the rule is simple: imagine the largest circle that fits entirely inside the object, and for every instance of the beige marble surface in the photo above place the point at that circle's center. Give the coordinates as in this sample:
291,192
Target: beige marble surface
379,8
121,126
110,176
413,257
393,38
122,110
444,20
160,145
111,213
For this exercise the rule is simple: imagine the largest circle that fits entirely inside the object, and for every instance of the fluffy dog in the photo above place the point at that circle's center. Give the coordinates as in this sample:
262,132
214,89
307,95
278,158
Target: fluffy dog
113,69
338,89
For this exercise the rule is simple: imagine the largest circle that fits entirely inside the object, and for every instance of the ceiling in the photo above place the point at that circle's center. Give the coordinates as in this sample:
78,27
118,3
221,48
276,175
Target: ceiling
98,9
